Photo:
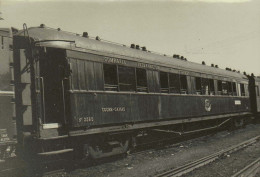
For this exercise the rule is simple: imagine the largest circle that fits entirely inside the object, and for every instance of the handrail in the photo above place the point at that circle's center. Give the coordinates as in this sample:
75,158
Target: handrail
43,97
63,97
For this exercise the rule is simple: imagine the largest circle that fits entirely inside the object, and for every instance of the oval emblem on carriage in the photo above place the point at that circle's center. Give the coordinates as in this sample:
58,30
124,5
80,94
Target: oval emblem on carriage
207,105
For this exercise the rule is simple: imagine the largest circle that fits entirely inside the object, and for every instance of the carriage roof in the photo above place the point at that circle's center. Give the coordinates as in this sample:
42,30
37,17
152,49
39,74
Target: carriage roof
56,38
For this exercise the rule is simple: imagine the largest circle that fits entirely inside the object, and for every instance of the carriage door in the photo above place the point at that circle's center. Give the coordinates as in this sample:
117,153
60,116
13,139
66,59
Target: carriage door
52,74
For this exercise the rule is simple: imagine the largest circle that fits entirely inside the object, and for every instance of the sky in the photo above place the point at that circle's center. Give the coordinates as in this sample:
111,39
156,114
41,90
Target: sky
223,32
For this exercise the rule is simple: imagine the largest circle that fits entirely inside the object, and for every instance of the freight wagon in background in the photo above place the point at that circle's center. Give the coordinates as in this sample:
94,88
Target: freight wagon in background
7,114
77,94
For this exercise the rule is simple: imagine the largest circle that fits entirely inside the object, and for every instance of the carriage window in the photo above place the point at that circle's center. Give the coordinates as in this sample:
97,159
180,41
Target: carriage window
229,84
224,88
141,80
204,86
198,85
219,87
164,82
174,82
211,87
184,86
126,78
234,86
242,89
110,77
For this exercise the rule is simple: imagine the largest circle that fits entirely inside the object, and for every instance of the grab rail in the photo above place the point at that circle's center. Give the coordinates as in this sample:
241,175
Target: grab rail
43,97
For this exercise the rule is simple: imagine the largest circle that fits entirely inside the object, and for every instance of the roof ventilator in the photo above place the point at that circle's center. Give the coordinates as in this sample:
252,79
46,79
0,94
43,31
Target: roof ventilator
98,38
42,25
85,34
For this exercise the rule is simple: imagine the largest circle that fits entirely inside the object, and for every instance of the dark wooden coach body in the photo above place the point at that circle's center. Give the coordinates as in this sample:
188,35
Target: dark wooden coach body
68,86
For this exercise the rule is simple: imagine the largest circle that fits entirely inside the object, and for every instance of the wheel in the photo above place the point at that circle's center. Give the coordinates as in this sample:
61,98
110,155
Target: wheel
107,149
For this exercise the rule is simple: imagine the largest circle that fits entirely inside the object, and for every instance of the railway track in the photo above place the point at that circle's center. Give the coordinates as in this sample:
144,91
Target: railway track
250,170
186,168
15,167
172,172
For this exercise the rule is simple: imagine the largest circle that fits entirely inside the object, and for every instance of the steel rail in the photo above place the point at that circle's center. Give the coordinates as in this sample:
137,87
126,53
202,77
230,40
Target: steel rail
186,168
250,170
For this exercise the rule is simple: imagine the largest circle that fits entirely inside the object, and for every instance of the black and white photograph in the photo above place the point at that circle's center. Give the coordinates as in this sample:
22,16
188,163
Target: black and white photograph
129,88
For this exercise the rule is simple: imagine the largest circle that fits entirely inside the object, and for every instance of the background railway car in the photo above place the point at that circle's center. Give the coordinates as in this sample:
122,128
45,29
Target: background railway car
7,122
256,88
74,93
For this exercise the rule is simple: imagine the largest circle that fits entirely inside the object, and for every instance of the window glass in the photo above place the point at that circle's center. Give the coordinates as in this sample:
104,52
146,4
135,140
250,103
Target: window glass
110,77
234,87
204,86
164,82
174,81
219,87
141,80
242,89
198,85
224,88
184,86
126,78
211,87
229,84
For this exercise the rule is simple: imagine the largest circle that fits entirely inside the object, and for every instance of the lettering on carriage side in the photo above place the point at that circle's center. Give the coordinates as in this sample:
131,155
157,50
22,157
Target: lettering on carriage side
237,102
114,109
185,72
207,105
85,119
114,60
149,66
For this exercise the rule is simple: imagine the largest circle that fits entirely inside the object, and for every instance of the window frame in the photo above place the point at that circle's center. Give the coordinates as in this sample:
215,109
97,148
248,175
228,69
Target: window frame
111,87
138,87
164,89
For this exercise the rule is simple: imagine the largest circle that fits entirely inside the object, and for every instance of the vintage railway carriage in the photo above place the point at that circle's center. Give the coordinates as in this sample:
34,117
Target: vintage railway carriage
7,122
74,93
255,96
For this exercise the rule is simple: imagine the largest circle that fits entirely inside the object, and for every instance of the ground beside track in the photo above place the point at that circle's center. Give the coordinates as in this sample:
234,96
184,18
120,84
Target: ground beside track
230,164
151,162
